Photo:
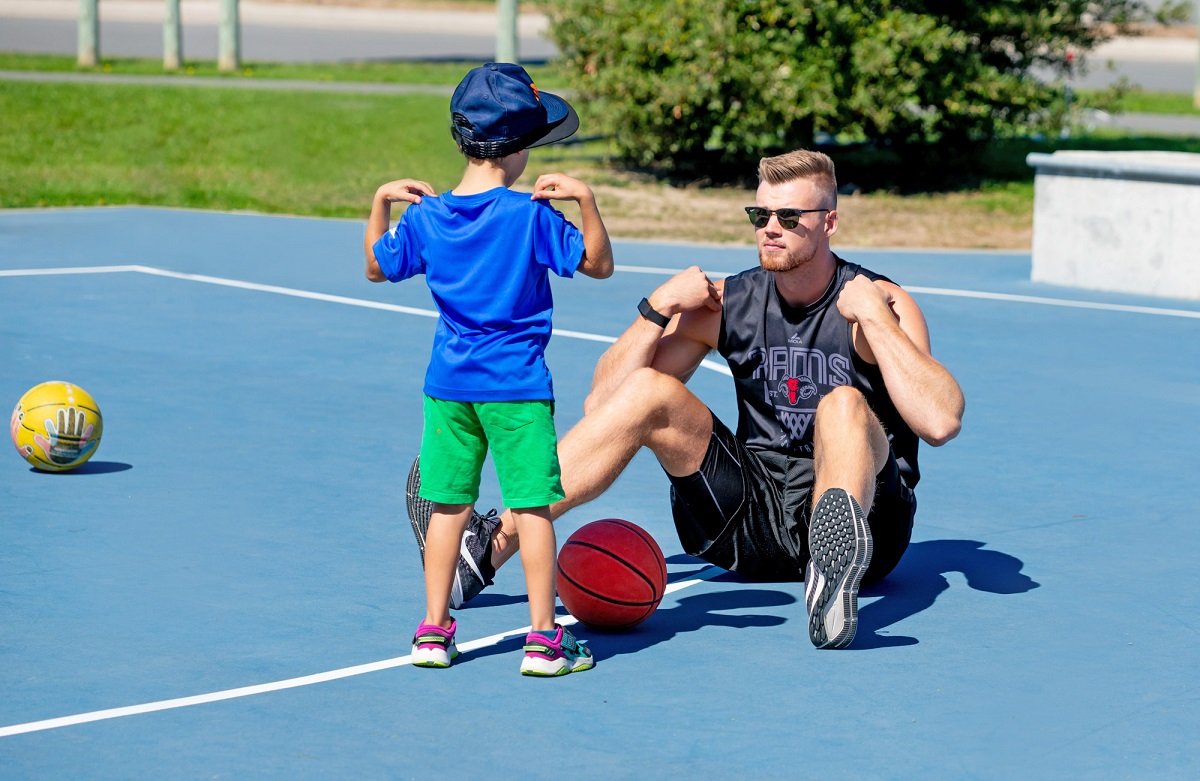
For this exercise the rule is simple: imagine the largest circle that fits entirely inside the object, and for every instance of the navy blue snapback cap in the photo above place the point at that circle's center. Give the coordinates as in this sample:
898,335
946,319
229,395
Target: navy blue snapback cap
496,110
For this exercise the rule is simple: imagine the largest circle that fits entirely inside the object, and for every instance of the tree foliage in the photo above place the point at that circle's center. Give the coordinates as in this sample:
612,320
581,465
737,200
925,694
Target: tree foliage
692,87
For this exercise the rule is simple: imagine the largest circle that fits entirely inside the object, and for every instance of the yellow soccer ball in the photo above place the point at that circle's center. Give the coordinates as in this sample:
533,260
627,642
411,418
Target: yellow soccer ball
56,426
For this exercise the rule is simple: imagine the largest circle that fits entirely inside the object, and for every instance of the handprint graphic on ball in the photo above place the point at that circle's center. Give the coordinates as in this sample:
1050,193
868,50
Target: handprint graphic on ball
67,440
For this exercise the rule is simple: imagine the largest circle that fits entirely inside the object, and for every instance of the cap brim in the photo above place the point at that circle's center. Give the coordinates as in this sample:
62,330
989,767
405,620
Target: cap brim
561,118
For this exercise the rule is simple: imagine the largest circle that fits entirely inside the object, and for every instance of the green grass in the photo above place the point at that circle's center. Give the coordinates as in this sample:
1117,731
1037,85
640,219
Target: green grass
298,153
324,154
1137,101
392,72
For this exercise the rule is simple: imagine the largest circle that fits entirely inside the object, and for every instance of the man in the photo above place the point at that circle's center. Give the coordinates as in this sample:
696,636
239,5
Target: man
835,383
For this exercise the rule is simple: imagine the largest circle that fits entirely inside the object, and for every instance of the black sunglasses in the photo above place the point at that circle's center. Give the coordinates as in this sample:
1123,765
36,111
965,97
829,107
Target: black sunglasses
788,218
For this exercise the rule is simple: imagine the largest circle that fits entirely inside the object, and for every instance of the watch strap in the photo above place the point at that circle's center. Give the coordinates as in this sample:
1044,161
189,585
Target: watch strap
653,315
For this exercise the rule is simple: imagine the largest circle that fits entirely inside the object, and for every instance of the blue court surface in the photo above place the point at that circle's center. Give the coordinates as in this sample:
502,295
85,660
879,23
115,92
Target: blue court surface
229,588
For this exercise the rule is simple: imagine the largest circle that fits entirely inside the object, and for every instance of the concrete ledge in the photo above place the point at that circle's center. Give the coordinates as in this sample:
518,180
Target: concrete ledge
1181,167
1118,221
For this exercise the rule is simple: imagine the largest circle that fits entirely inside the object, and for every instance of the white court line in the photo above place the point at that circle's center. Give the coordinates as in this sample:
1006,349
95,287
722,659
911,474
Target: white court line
39,272
287,291
668,271
720,368
292,683
1142,310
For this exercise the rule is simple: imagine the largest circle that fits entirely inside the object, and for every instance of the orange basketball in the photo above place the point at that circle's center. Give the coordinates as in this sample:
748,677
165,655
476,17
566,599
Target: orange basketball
611,574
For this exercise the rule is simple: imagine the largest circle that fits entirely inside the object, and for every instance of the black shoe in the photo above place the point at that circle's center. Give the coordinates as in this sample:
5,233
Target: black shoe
419,510
839,542
475,570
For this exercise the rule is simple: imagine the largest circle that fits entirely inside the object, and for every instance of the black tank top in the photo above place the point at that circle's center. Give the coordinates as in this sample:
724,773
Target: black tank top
785,359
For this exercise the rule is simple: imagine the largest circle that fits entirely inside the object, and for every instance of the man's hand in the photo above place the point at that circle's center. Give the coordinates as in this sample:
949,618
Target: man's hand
890,332
861,299
688,290
407,190
560,187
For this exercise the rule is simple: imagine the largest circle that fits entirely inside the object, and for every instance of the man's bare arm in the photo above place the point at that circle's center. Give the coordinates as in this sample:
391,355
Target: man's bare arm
692,301
891,332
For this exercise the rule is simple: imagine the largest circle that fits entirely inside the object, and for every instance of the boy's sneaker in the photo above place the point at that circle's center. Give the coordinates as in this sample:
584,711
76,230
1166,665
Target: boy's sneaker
557,655
839,543
475,568
434,646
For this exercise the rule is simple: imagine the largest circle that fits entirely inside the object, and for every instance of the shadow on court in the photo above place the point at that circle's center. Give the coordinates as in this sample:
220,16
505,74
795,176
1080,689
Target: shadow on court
689,615
494,599
919,579
915,584
90,468
911,588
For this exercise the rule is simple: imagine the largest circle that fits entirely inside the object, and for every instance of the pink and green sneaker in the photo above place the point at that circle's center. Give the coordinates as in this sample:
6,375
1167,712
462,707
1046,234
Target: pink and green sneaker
557,654
434,646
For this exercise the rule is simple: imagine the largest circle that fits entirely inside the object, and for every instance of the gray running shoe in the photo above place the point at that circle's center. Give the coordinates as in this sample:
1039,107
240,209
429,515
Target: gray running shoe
839,542
475,570
419,510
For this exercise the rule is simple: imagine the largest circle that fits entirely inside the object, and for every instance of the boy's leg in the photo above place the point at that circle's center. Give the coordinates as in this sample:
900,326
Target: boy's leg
539,552
433,642
442,542
453,448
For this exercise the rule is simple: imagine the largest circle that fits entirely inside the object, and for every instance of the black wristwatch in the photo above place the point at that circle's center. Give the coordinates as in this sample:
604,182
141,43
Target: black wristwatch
651,314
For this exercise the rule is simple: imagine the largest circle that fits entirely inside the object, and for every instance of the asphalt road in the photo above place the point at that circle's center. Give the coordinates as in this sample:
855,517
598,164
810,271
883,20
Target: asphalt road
270,32
298,33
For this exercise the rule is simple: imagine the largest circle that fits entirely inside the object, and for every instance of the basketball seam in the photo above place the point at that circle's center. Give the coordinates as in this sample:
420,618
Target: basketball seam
644,536
611,600
614,557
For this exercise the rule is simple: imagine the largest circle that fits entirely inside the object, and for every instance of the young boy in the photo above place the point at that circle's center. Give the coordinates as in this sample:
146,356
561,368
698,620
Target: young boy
486,252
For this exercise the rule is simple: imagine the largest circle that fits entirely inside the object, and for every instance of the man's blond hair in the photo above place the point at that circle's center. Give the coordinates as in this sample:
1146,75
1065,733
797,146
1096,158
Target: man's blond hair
802,164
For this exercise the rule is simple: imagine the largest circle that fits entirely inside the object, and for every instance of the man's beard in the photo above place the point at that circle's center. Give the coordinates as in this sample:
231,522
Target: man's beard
788,260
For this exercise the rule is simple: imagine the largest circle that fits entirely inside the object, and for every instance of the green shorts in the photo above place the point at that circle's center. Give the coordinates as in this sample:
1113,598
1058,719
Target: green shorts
520,435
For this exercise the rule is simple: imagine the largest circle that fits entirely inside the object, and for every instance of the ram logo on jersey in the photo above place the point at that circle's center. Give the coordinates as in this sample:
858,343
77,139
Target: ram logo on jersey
797,389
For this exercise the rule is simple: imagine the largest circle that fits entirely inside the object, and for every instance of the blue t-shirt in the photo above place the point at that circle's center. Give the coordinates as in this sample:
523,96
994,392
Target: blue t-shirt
485,258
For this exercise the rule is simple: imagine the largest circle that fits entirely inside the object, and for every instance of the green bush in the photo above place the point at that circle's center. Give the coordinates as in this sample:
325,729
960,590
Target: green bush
705,87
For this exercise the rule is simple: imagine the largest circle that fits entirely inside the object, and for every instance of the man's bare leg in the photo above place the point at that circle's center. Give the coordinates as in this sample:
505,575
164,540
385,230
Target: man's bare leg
849,446
649,409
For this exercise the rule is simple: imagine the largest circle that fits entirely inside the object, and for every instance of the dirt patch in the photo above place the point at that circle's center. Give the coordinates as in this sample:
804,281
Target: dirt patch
636,207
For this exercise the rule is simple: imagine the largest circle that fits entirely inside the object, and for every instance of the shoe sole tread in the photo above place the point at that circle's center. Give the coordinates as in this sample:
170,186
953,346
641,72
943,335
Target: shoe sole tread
840,547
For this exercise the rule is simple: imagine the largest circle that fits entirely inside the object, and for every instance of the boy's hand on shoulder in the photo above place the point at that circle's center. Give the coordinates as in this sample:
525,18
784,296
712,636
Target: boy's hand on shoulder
560,187
597,260
407,190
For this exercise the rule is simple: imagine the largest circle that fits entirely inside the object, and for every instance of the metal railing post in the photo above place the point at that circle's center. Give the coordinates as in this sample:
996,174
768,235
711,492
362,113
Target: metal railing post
506,31
229,37
172,37
89,34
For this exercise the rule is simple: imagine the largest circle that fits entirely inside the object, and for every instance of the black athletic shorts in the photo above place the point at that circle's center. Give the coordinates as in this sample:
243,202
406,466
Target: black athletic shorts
747,511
